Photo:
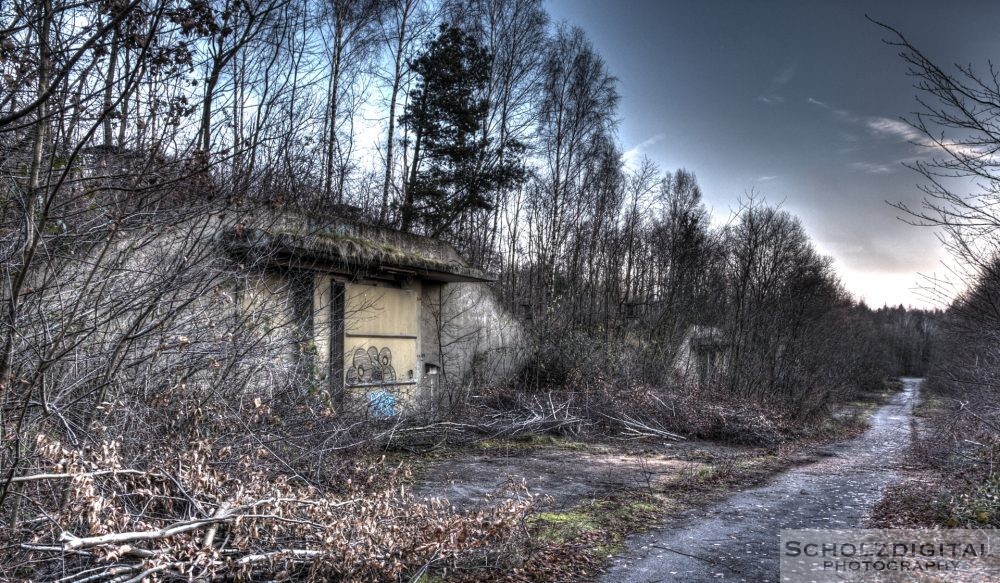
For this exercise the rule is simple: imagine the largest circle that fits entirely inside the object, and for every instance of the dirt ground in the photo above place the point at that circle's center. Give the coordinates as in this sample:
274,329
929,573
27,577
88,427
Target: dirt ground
565,475
592,498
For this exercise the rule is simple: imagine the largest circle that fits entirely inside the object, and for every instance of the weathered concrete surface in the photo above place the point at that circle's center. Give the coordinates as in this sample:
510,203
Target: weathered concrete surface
737,540
564,477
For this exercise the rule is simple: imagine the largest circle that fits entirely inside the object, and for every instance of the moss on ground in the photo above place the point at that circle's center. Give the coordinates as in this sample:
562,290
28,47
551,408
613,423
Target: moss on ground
521,444
562,527
930,405
597,529
852,418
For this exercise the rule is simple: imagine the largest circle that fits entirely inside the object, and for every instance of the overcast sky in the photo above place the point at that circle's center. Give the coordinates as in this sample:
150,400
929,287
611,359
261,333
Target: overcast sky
799,100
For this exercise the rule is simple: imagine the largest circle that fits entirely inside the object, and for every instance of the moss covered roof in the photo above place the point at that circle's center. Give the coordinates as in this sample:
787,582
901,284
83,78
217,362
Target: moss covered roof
342,249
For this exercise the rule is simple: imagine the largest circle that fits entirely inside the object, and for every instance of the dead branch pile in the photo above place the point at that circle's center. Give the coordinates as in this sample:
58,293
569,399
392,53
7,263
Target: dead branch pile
708,413
603,409
636,411
513,413
210,515
556,414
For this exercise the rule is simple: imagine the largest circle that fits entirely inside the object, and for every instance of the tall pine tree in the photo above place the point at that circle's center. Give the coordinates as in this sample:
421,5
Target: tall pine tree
455,168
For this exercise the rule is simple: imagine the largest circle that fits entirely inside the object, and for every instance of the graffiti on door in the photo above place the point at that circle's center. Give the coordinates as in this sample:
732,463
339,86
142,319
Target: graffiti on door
371,366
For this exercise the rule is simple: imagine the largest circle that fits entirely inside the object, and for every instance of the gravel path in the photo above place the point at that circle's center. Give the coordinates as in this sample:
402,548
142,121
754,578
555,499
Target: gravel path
737,539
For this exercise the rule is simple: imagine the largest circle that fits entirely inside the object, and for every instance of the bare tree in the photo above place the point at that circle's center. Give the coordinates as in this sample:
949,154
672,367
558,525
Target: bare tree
403,24
957,122
577,108
350,41
514,33
228,29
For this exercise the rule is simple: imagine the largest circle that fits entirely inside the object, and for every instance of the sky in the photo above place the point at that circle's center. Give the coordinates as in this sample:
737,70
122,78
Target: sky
799,101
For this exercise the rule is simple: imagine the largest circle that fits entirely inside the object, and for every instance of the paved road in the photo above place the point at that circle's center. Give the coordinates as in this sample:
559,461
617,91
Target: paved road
737,539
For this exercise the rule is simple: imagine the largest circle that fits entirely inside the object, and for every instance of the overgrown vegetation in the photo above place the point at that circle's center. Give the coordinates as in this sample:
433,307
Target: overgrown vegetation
222,515
957,432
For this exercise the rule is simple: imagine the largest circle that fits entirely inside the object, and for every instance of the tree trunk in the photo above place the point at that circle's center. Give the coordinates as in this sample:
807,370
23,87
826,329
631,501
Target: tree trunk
391,130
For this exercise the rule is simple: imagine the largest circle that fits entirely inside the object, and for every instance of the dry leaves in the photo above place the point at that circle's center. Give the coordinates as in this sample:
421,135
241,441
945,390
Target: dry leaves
216,515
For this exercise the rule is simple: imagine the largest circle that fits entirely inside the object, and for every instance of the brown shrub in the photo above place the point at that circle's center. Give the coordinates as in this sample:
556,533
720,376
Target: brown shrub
208,514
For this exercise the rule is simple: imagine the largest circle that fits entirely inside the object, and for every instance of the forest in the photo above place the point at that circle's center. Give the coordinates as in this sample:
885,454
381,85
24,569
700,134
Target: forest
142,436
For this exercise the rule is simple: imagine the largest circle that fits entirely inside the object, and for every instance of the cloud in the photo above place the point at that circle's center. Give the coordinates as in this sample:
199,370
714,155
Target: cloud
841,114
778,82
874,168
885,127
964,150
785,75
635,152
926,148
846,116
766,178
885,253
897,130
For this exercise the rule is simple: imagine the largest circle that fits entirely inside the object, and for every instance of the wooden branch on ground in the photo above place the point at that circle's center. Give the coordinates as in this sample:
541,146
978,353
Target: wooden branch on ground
38,477
210,535
223,514
71,541
635,427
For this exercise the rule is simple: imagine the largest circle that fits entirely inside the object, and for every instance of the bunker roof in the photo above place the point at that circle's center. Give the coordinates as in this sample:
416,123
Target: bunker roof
352,247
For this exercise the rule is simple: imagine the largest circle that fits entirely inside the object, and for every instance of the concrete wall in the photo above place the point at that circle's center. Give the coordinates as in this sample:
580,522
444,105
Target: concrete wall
701,357
470,336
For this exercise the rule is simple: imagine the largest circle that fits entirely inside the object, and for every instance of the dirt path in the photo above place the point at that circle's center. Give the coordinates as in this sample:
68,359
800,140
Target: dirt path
737,539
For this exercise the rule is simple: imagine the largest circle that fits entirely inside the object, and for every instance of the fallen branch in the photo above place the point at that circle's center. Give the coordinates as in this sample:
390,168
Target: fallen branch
223,514
210,535
707,560
71,541
94,474
638,428
297,553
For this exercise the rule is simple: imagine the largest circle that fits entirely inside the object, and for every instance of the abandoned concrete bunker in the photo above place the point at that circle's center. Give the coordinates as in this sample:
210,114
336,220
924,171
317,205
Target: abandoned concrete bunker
385,315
